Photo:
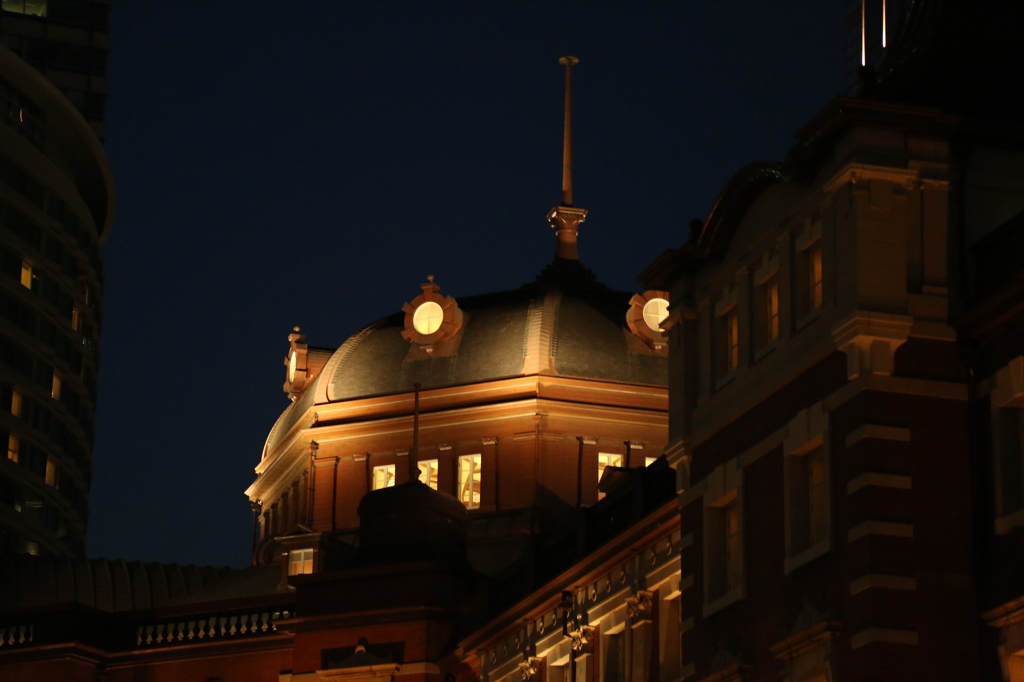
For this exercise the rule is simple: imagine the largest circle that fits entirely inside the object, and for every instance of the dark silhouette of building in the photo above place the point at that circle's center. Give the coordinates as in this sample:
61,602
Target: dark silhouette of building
66,41
56,205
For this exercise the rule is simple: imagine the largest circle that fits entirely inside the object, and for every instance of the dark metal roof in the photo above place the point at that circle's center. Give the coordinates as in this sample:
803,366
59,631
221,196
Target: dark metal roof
591,340
107,585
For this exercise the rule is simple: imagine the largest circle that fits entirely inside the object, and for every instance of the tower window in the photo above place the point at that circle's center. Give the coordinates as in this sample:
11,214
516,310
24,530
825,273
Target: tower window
767,311
1008,427
428,472
76,320
300,562
807,499
13,447
810,288
724,548
469,481
728,341
52,473
16,401
55,387
383,476
26,275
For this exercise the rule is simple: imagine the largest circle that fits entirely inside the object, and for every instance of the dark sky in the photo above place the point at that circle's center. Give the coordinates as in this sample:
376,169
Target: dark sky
309,163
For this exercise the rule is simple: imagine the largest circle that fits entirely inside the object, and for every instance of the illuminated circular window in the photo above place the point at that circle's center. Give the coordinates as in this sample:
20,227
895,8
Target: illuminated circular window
431,318
427,318
646,314
655,312
293,360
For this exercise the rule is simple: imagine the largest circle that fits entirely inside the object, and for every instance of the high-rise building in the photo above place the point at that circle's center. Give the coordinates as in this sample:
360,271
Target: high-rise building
66,41
56,205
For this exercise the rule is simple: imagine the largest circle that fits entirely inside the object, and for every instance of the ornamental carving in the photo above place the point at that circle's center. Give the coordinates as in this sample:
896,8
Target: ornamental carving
529,669
582,639
639,607
295,361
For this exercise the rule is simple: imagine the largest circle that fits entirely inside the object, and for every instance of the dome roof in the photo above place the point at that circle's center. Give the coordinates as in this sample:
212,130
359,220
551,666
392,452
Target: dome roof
576,324
565,323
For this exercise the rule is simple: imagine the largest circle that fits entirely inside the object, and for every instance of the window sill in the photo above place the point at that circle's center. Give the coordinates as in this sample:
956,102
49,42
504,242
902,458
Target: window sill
731,597
1004,524
808,555
807,319
766,349
724,380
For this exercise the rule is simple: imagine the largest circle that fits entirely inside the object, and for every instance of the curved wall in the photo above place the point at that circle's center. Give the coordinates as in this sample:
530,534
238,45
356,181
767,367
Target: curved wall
56,206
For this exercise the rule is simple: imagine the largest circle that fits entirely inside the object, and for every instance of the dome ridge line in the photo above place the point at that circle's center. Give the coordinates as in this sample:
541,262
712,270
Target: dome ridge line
540,333
334,365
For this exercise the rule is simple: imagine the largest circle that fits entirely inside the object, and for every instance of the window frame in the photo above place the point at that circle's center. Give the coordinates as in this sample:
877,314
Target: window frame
470,495
385,470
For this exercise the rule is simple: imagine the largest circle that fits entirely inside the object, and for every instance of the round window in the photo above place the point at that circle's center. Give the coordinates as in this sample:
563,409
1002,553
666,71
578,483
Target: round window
655,312
292,362
427,318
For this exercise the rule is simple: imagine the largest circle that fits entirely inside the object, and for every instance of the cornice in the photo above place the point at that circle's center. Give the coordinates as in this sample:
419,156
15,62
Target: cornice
649,530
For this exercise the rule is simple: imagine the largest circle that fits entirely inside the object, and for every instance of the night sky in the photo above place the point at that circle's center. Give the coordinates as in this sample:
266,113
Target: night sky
309,163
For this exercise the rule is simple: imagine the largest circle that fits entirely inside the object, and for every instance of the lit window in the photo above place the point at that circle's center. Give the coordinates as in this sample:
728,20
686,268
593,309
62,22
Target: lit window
809,279
648,461
728,341
293,363
31,7
300,561
13,445
605,460
724,549
52,473
15,403
655,312
767,311
55,387
26,275
76,320
427,318
469,481
428,472
383,476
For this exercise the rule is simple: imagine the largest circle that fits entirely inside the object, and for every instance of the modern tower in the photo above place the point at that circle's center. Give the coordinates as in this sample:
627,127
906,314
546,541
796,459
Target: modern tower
56,205
66,41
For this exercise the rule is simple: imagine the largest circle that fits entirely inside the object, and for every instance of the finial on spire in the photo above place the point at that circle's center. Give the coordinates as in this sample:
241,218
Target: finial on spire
564,218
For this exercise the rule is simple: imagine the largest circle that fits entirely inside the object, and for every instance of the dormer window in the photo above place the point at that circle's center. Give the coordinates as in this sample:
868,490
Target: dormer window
646,316
431,318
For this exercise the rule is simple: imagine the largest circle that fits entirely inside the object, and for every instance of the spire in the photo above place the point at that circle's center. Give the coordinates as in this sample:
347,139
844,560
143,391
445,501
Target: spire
569,62
564,218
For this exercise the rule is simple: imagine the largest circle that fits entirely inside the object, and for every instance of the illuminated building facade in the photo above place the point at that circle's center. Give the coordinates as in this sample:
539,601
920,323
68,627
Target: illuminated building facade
846,383
56,204
66,41
839,497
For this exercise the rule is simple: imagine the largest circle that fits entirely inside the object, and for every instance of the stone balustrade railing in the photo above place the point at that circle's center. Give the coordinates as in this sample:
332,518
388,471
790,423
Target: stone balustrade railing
213,626
13,635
